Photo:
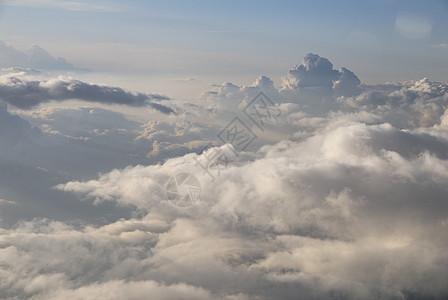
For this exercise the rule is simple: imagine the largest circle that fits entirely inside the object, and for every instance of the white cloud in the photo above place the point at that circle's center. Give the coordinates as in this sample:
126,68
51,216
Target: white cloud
314,71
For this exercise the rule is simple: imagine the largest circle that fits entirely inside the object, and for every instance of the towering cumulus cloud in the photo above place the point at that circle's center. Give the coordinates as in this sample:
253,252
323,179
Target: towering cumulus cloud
315,71
348,202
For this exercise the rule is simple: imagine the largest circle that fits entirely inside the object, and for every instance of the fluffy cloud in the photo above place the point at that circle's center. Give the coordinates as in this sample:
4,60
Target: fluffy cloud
314,71
316,74
26,94
406,105
313,84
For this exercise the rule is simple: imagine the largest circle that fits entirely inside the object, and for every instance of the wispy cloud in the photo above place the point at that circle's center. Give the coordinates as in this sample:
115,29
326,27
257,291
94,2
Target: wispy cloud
65,5
440,46
7,202
413,26
219,31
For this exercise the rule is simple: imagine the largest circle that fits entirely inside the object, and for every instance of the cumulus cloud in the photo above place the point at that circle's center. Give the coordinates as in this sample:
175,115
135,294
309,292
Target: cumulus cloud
314,71
347,84
26,94
313,84
315,77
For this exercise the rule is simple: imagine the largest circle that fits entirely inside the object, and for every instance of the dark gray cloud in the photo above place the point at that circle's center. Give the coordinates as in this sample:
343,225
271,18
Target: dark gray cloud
26,94
347,84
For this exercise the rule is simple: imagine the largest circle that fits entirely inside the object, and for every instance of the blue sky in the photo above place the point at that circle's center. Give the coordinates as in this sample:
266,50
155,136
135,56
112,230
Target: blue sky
235,41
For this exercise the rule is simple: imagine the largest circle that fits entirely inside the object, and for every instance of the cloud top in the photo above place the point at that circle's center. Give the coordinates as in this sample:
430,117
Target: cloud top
314,71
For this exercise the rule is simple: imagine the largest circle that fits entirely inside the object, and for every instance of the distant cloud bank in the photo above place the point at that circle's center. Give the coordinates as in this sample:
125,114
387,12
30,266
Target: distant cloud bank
36,58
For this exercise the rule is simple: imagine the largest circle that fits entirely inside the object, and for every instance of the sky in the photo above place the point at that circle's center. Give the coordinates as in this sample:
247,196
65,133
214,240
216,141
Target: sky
215,41
230,150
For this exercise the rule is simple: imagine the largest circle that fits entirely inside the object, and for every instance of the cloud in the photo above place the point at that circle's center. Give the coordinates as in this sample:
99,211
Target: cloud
315,71
26,94
440,46
348,189
10,57
313,214
412,104
313,84
413,26
350,201
65,5
40,59
44,147
12,128
347,84
36,58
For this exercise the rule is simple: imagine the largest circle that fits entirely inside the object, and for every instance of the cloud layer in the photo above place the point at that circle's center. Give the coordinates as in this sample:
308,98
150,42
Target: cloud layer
341,195
346,211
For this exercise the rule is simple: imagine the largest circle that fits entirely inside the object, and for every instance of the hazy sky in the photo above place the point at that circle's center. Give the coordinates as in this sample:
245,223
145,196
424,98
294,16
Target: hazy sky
380,40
